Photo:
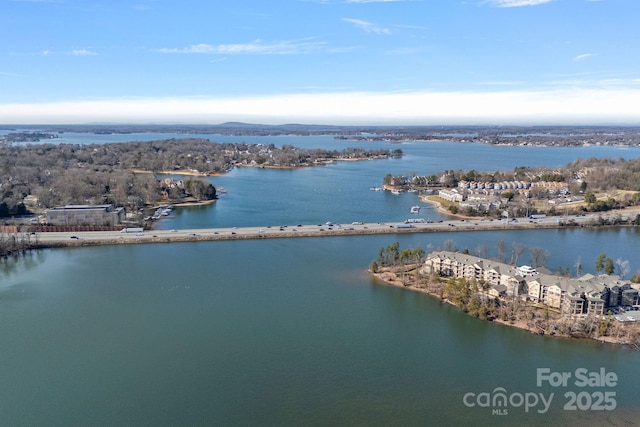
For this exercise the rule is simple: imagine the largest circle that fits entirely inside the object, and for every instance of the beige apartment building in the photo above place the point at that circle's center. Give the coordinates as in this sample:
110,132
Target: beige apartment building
585,295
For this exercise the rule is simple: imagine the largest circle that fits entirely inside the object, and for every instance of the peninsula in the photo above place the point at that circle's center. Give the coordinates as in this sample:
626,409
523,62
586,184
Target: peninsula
603,307
581,187
36,177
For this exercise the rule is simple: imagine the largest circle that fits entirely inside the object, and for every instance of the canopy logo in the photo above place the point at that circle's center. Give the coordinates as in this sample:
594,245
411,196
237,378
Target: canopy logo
499,401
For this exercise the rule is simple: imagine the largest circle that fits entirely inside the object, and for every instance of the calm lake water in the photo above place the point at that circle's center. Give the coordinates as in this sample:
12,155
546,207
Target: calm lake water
292,331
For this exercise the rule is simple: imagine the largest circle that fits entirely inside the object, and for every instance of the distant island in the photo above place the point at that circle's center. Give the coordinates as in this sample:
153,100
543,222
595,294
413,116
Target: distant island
547,136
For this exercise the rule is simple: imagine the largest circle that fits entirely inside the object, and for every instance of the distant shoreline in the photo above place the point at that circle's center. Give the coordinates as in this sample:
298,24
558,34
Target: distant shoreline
317,162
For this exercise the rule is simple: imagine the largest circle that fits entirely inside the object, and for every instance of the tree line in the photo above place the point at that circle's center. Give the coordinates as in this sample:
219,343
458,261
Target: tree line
60,174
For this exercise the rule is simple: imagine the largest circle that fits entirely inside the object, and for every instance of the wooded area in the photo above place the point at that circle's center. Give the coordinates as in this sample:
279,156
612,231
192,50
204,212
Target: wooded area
60,174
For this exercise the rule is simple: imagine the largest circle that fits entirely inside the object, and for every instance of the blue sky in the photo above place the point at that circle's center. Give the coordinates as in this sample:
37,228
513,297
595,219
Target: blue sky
320,61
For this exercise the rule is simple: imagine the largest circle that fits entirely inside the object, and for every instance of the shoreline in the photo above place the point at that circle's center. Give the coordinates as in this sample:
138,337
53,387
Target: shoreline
389,277
317,162
181,204
438,207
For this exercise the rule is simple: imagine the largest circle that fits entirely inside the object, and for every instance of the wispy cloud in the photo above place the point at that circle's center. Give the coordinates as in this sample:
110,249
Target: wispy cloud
517,3
582,57
256,47
49,52
367,26
82,52
143,5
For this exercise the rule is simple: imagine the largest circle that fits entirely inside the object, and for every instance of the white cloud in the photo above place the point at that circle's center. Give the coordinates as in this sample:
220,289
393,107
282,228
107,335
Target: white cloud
518,3
561,106
82,52
367,27
255,47
582,57
74,52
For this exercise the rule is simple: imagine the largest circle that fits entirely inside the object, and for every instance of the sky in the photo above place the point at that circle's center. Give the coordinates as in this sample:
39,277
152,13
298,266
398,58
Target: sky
343,62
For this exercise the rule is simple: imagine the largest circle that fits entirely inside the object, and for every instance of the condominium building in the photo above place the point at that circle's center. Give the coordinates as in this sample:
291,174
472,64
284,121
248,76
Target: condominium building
585,295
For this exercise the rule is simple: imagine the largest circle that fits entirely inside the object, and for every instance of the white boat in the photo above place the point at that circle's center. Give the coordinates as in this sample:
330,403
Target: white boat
396,192
375,188
415,209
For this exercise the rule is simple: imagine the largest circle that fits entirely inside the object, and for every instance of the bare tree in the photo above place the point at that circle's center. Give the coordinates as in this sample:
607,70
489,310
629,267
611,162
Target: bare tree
517,250
502,250
450,246
482,251
539,256
578,267
622,267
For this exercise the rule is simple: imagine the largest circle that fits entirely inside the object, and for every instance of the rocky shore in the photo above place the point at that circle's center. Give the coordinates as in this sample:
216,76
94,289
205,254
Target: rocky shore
532,318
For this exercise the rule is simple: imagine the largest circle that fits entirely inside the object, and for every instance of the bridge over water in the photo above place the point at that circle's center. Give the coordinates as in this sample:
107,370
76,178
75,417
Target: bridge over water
57,239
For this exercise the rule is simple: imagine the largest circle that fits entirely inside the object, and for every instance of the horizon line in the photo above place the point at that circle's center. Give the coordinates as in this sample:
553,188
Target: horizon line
557,106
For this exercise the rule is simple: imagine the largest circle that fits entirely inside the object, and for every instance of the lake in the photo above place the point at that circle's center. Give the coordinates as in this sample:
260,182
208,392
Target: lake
294,331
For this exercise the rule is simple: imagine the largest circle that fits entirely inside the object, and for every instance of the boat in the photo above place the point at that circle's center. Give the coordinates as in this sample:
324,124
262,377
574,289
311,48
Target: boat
415,209
375,188
396,192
